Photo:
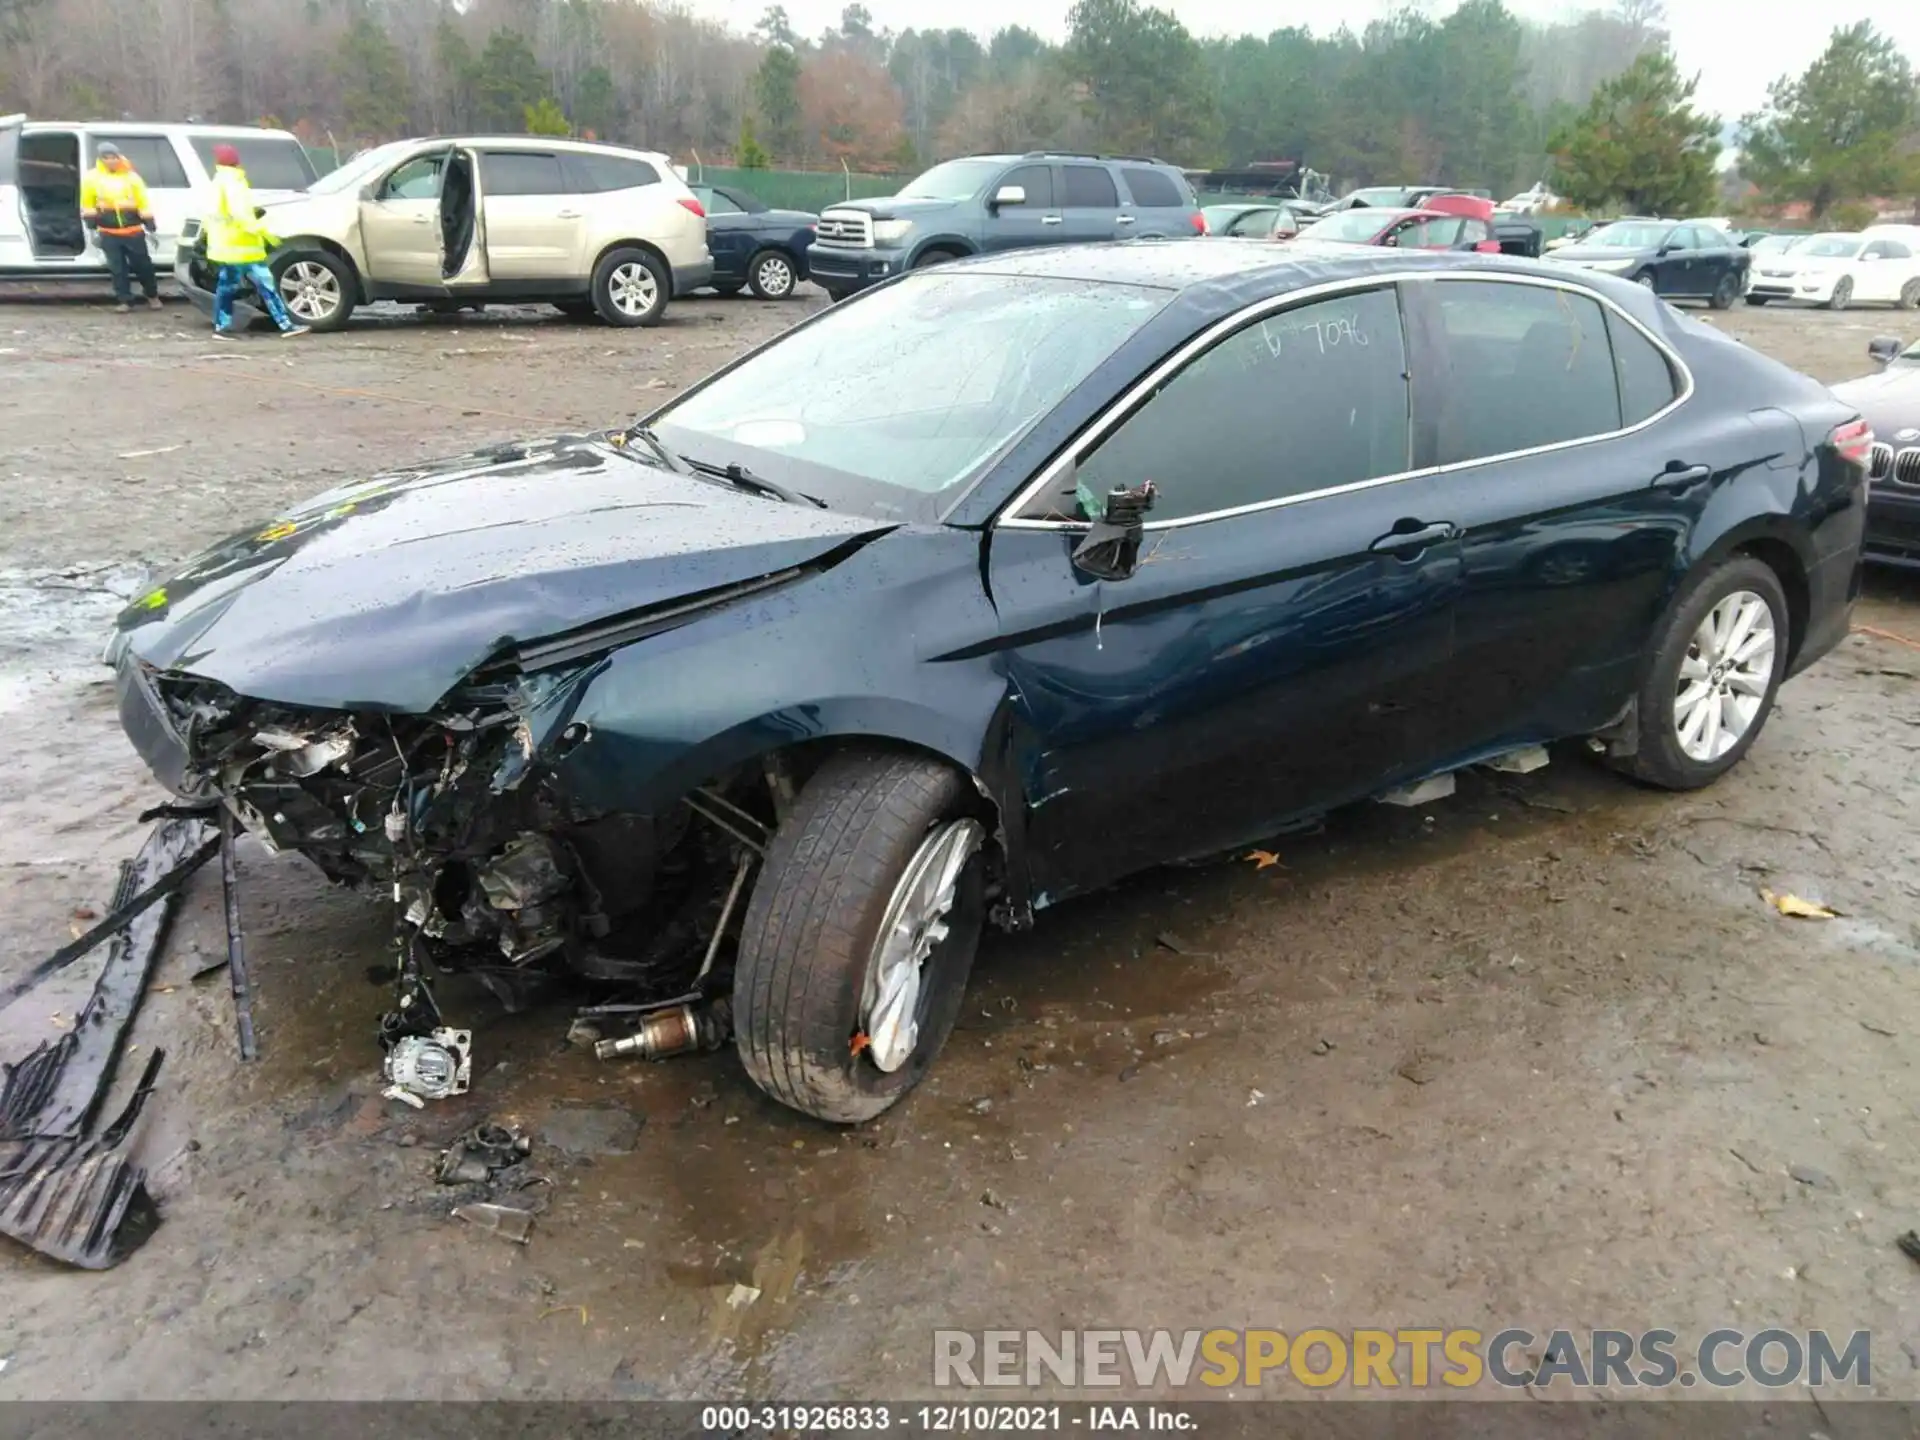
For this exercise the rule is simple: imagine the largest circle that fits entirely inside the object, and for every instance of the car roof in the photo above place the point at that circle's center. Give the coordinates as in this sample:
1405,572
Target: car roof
1229,268
157,127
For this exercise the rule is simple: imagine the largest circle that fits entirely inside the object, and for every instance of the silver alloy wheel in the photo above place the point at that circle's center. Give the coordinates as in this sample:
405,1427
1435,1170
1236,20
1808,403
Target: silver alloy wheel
914,924
1645,279
311,290
1724,676
776,276
633,289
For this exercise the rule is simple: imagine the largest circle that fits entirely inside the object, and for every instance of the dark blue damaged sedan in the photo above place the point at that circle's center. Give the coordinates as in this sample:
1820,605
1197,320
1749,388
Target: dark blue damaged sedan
987,588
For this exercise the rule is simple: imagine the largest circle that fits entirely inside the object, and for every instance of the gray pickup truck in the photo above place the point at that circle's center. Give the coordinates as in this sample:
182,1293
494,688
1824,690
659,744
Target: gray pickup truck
984,203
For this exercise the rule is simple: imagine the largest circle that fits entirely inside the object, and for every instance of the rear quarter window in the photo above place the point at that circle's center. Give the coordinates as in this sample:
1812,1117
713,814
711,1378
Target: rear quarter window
1153,190
1647,382
597,174
270,163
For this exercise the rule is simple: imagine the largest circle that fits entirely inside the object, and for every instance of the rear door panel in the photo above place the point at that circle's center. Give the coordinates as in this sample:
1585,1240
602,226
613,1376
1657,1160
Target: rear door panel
16,250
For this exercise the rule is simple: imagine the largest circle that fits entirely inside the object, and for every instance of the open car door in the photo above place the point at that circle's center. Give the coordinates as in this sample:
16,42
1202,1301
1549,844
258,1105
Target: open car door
16,246
463,240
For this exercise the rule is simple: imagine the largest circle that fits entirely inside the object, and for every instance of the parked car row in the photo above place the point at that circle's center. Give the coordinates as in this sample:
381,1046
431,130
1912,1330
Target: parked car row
1876,266
1889,400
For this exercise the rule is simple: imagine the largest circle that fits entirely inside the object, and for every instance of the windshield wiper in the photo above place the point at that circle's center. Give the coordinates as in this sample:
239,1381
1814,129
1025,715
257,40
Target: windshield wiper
669,458
747,480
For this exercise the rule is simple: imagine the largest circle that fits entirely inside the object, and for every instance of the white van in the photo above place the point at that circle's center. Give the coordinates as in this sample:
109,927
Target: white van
42,162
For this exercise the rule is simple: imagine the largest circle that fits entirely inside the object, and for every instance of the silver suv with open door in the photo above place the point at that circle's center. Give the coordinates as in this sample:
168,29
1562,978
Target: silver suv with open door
590,229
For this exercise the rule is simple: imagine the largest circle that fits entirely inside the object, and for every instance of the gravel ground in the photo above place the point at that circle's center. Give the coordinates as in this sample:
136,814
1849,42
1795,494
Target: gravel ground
1537,1055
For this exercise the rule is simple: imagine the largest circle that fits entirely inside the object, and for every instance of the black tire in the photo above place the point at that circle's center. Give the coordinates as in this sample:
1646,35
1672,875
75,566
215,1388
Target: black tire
935,256
838,293
1646,281
1842,293
811,926
772,275
576,309
631,287
296,267
1660,761
728,289
1758,299
1726,292
1910,295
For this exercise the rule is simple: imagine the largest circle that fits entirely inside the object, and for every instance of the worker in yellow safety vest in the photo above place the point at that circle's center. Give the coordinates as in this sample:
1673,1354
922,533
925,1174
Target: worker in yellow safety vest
113,204
237,242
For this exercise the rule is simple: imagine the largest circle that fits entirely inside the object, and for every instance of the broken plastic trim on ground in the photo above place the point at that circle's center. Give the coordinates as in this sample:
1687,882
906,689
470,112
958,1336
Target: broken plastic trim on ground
70,1192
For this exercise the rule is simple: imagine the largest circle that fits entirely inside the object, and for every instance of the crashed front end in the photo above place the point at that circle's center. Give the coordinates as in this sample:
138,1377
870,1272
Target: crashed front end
462,815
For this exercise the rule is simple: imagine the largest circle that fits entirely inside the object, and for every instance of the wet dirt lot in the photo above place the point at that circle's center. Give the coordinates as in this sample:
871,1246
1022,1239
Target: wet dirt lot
1537,1055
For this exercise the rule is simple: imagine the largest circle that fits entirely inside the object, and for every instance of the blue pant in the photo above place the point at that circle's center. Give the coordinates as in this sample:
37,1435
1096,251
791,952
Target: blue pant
232,277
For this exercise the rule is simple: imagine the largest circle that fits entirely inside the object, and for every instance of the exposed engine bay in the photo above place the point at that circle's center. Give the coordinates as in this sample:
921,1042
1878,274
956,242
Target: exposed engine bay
496,870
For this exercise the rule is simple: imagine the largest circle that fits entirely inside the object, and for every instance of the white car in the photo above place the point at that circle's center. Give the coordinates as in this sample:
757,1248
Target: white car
1531,202
43,161
1839,270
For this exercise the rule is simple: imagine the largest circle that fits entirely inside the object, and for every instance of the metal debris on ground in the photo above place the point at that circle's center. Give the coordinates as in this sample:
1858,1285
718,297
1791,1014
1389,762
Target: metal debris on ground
741,1296
676,1030
65,1191
433,1066
503,1220
236,946
481,1154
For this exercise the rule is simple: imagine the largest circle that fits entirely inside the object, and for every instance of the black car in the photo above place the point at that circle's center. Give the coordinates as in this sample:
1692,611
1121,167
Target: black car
1676,261
999,584
754,246
1890,401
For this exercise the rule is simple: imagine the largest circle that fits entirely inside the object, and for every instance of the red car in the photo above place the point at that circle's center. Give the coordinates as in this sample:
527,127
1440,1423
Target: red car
1446,222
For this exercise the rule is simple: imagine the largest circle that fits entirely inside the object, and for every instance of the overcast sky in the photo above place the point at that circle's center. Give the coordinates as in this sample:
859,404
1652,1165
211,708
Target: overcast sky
1737,46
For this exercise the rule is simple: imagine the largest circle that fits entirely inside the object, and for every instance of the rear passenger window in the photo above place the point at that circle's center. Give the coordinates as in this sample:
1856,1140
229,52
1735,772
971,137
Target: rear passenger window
515,172
1646,379
1037,181
1152,190
153,159
1522,366
596,174
1090,187
1305,400
270,163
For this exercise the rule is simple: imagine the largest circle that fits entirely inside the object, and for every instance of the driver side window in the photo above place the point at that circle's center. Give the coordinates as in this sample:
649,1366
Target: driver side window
1308,399
418,179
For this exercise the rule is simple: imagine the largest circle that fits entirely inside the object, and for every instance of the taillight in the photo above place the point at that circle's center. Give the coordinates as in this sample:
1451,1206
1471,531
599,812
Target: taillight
1199,223
694,205
1854,441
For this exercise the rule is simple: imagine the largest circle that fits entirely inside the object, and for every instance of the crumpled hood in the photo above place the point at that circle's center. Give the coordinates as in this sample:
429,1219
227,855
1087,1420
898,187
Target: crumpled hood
891,207
384,595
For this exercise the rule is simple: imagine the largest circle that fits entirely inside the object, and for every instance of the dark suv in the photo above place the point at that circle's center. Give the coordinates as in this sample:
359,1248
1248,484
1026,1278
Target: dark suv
983,203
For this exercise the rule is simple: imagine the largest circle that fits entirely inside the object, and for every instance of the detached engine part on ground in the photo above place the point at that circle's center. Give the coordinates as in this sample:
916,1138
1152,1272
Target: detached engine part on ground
73,1195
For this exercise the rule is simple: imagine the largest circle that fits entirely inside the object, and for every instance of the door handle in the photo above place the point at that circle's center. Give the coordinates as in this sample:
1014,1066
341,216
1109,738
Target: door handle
1052,220
567,215
423,220
1410,537
1678,477
1123,219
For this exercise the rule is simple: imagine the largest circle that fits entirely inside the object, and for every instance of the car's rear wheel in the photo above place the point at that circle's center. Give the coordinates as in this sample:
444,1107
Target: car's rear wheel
771,275
1842,293
1910,295
631,287
1710,685
1645,280
860,935
1758,299
318,288
1725,293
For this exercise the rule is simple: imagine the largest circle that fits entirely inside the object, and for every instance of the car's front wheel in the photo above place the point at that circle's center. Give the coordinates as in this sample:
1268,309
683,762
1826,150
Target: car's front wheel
1717,664
631,287
318,288
1645,279
1725,293
1758,299
860,935
771,276
1842,294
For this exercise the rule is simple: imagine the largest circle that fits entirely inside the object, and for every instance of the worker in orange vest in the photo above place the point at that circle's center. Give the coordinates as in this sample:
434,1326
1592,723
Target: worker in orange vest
113,204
